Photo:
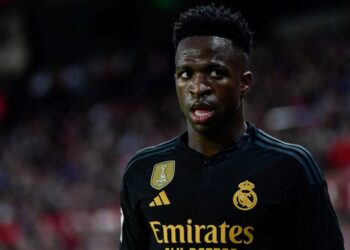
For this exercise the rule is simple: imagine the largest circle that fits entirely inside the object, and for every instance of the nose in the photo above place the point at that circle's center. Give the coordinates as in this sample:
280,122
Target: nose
200,86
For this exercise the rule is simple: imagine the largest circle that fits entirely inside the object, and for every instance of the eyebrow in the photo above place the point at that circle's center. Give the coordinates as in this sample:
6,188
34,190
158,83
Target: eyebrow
205,66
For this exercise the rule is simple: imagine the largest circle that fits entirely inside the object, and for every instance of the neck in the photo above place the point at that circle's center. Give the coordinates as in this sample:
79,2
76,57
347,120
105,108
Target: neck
210,144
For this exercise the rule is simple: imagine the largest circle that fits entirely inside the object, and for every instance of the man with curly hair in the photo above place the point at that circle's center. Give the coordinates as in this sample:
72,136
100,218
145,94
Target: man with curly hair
223,184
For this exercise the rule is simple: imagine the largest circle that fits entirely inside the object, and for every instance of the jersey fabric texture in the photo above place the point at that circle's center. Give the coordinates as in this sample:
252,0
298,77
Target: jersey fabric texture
260,193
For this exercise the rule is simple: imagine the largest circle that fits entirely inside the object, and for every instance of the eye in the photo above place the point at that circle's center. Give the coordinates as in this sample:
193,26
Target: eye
184,75
216,74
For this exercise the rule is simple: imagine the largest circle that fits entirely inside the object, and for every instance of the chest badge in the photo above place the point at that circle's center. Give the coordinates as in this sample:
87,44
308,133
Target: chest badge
245,198
163,173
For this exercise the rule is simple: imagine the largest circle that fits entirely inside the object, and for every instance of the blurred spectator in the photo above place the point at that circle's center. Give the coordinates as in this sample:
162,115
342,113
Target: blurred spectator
339,153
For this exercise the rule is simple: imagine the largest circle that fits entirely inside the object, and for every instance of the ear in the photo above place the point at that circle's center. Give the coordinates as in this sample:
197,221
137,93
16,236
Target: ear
246,80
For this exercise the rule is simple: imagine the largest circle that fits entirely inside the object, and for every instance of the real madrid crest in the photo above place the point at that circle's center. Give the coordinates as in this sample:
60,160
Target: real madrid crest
245,198
163,174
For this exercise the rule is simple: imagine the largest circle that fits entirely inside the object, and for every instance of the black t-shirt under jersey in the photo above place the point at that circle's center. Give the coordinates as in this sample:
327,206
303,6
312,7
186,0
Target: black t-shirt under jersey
260,193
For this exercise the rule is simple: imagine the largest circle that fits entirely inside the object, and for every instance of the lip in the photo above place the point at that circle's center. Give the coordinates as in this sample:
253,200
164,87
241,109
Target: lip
201,112
201,105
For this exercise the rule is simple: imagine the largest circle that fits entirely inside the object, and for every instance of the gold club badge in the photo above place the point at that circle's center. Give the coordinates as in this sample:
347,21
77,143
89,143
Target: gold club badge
245,198
163,174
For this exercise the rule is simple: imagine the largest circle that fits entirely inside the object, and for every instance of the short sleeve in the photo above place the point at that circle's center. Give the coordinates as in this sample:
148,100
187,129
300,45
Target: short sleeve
133,230
314,222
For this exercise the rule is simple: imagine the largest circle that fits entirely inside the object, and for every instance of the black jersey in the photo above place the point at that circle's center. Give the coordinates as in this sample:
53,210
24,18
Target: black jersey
260,193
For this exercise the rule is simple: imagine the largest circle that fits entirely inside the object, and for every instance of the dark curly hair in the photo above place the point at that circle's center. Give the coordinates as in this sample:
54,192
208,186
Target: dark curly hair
212,20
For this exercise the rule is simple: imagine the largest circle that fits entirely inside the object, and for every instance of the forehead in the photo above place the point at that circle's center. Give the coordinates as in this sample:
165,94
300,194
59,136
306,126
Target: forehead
204,47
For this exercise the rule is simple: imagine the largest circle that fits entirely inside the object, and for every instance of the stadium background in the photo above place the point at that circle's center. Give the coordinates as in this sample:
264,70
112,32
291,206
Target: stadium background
85,84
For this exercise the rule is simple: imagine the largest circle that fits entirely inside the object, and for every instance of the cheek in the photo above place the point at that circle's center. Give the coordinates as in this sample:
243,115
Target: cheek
228,93
181,96
230,98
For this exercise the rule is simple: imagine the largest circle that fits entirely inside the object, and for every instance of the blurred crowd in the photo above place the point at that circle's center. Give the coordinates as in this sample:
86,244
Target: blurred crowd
65,143
60,176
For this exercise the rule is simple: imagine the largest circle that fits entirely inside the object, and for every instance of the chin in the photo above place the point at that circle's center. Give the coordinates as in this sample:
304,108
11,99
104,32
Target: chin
207,130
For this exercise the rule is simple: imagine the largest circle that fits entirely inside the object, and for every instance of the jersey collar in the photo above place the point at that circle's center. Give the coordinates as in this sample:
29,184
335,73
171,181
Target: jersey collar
243,142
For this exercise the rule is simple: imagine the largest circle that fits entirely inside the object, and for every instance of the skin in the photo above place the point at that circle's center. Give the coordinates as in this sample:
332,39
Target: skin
212,78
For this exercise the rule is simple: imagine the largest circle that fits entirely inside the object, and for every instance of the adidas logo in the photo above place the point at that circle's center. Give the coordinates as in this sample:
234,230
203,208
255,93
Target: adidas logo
160,200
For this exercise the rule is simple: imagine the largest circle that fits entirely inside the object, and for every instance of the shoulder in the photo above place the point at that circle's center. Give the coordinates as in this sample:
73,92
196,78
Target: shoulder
153,153
294,152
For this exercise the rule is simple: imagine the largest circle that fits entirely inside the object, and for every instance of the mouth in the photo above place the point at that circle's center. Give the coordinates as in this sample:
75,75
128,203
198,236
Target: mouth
201,112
